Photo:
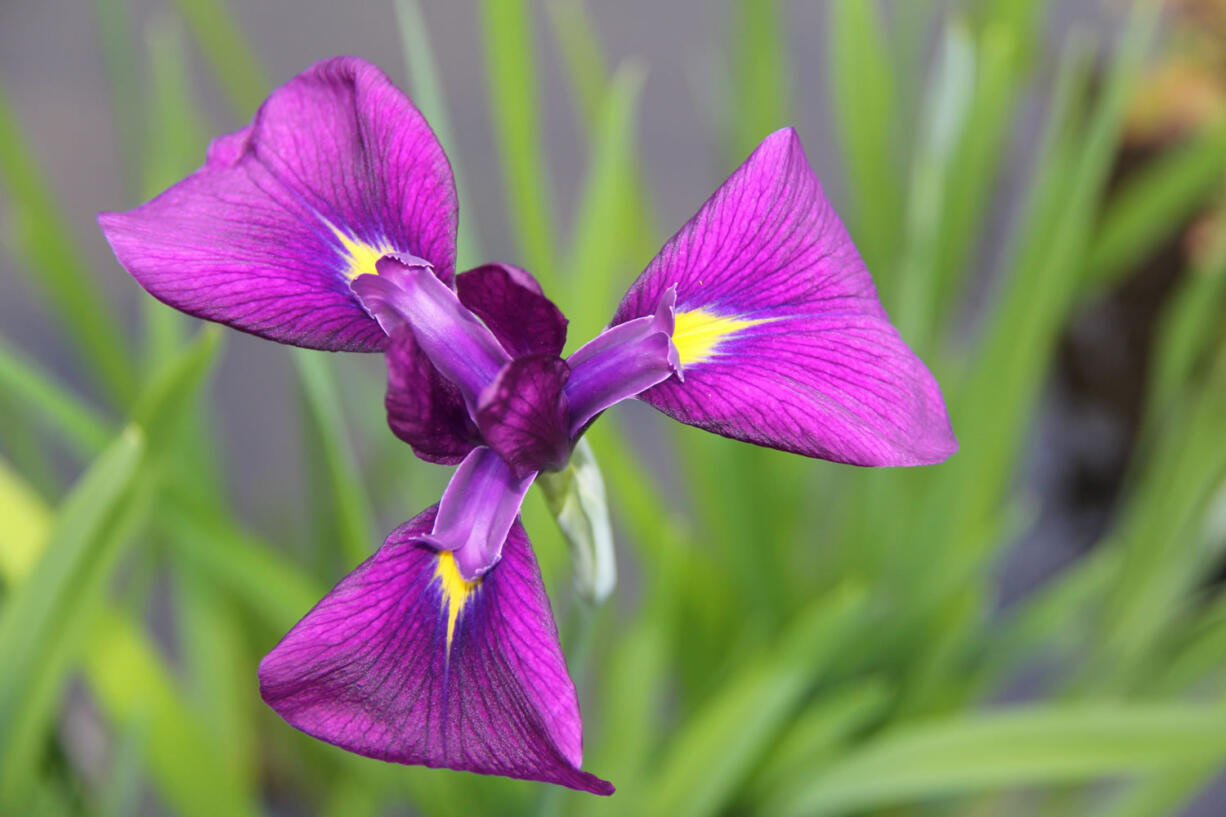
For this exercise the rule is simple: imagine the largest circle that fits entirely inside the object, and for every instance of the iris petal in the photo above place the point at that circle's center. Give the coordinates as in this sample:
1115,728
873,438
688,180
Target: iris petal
425,409
524,414
337,168
621,362
510,302
404,292
405,662
478,507
781,337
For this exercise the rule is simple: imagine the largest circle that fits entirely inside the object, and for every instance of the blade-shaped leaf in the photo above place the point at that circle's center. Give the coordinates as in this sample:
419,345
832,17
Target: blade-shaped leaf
1027,746
512,85
69,416
45,246
45,618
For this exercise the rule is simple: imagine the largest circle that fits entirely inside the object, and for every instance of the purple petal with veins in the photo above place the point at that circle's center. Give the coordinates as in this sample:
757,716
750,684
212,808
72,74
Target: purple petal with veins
779,331
337,168
406,662
477,509
461,347
524,414
511,304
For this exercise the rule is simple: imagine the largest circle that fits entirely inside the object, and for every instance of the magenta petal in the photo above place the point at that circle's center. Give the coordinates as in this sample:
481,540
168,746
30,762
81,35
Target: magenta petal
511,304
404,661
337,168
524,414
425,409
781,337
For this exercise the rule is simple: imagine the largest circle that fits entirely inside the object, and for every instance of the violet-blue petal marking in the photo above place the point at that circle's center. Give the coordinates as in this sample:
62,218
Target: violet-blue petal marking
336,169
407,662
621,362
459,345
477,509
781,337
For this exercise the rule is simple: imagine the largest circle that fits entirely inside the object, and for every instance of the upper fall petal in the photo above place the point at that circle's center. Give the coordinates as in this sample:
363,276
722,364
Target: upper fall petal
780,334
337,168
406,662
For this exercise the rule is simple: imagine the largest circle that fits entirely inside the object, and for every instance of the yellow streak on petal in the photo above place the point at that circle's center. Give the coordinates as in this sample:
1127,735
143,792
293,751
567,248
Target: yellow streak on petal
697,333
362,256
455,589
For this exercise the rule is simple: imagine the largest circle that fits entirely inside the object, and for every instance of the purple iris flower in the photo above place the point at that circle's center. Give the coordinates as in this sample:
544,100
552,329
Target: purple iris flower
330,223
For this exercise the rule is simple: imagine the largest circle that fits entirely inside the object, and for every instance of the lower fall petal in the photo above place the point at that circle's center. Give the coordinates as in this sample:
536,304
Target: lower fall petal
406,662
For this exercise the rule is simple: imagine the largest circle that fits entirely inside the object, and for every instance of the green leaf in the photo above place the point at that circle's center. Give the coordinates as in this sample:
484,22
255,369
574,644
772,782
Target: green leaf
974,176
950,94
427,93
45,618
1155,202
27,521
274,588
589,82
512,85
865,101
121,792
763,87
1160,532
175,140
1188,326
194,774
353,512
1025,746
992,407
44,244
627,717
71,418
222,40
722,742
172,392
173,145
814,735
219,669
586,72
121,59
598,250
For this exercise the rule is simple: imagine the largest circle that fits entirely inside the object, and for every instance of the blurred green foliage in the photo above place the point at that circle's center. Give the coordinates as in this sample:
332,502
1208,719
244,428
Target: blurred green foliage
796,638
